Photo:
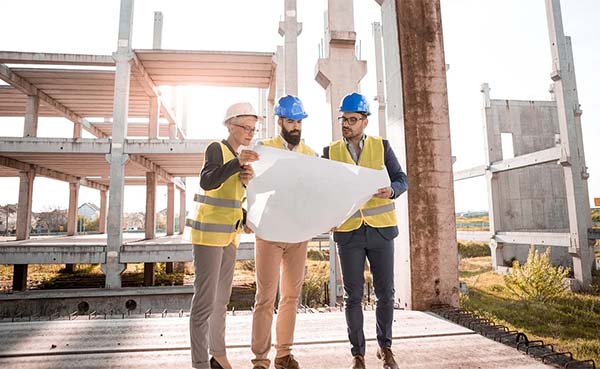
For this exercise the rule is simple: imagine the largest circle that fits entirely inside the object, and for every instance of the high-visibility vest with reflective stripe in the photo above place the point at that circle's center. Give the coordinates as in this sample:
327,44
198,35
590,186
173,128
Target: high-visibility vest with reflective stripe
377,213
219,211
278,143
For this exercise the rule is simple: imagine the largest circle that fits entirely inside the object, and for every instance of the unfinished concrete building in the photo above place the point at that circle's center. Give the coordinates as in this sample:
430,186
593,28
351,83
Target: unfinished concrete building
538,193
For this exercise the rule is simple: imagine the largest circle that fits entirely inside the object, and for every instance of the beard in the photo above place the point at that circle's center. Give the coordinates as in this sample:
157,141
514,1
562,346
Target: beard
292,137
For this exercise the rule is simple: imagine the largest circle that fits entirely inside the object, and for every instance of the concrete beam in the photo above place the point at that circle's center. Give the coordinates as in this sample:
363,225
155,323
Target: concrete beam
534,238
475,236
149,166
23,85
434,263
49,173
173,252
72,212
470,173
137,146
552,154
17,57
68,254
54,145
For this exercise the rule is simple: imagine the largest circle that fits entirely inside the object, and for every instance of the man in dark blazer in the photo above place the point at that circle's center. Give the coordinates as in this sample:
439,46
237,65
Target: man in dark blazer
370,232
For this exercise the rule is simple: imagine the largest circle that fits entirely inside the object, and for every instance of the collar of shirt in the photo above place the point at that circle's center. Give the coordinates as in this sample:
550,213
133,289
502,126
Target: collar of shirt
355,155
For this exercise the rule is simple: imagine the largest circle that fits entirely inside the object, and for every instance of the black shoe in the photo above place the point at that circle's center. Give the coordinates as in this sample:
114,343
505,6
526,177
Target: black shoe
214,364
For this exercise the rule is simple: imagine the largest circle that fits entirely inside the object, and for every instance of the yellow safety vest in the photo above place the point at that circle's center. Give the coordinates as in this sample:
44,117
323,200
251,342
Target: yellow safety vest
277,142
377,213
219,211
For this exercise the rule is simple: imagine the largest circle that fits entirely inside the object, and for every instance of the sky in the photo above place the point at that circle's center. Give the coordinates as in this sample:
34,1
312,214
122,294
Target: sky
501,42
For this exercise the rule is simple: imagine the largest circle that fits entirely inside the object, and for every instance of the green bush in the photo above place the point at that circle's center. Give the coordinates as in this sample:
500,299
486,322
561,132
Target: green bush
473,249
538,280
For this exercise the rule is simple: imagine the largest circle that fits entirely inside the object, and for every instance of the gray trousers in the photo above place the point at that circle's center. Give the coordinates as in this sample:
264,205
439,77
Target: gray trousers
212,289
361,244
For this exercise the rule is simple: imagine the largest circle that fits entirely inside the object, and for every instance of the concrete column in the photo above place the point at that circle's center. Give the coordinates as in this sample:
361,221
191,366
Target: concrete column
153,101
72,212
175,93
170,209
493,153
184,112
573,159
340,73
149,226
262,111
31,116
77,130
23,225
272,129
380,83
182,211
158,26
117,158
102,215
290,29
395,134
180,267
24,206
153,118
433,251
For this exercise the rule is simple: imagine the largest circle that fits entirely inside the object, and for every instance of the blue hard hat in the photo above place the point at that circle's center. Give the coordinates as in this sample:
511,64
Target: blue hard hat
290,107
355,103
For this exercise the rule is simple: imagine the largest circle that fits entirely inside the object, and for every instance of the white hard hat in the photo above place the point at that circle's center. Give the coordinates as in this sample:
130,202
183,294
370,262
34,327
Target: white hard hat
240,109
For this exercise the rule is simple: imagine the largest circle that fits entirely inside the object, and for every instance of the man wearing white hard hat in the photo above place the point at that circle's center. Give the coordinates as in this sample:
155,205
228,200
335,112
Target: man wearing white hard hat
275,258
215,234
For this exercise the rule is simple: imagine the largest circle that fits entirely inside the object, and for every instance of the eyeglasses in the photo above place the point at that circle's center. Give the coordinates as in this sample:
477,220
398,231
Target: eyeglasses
246,129
351,121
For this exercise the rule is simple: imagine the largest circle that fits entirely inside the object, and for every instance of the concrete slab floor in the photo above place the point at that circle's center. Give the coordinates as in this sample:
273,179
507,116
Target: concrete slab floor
421,340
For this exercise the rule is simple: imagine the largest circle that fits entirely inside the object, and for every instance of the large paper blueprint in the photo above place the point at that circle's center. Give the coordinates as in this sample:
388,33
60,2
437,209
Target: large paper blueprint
294,197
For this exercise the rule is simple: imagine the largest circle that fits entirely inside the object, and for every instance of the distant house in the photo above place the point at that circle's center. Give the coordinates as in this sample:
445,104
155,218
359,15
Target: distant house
89,211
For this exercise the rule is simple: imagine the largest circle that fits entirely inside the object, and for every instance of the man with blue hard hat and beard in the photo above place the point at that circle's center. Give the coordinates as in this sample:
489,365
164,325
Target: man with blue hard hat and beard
280,258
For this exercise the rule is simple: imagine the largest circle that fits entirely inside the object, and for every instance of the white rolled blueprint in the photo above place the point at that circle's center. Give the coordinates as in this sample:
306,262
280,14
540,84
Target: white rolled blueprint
294,197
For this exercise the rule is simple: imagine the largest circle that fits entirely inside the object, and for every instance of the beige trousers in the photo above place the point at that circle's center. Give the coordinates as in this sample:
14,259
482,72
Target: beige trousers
273,259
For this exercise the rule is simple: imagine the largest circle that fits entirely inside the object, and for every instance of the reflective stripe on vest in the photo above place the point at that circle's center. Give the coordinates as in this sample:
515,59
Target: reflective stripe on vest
377,213
278,143
203,199
208,227
219,211
374,211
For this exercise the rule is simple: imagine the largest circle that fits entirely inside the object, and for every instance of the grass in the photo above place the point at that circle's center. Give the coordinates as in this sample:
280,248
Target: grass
571,323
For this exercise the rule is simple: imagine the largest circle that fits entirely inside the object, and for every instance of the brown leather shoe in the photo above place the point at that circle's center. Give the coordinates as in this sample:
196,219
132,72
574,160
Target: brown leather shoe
358,362
287,362
385,354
